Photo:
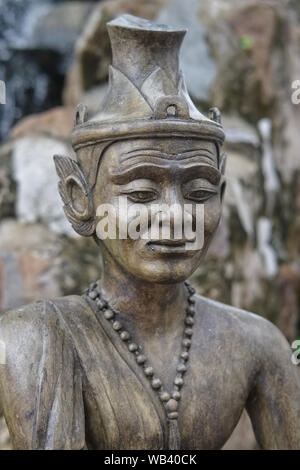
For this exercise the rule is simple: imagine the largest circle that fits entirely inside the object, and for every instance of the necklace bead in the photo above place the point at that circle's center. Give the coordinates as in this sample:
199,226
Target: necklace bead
184,355
108,314
100,303
149,371
188,332
93,294
173,415
156,383
141,359
189,320
132,347
172,405
181,368
116,325
165,396
124,335
187,343
178,381
176,395
191,289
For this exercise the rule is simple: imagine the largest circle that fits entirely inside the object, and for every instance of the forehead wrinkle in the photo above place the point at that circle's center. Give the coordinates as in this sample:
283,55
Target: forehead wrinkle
196,154
158,160
142,153
200,149
141,149
156,154
153,150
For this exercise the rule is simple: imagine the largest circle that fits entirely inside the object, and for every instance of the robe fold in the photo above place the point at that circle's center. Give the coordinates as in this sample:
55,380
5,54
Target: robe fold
69,382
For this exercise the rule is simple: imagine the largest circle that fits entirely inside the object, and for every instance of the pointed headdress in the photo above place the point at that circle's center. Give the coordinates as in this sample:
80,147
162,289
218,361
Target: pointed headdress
147,95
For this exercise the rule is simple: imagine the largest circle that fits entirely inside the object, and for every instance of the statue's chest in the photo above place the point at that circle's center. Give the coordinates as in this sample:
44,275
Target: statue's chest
211,405
122,412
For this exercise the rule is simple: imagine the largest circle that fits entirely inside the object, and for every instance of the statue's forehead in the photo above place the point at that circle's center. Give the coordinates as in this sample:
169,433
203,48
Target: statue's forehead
163,150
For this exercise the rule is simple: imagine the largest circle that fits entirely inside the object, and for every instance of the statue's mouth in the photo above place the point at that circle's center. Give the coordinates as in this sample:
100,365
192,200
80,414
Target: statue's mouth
169,246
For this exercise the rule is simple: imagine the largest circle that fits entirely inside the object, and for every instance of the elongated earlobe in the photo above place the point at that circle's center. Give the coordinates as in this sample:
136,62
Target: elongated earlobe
76,195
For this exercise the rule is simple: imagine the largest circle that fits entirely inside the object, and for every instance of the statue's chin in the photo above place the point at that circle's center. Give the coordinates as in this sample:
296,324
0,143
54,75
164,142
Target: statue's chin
165,271
169,266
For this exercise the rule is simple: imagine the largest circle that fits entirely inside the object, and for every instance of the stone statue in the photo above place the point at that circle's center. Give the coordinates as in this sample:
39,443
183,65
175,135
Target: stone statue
139,361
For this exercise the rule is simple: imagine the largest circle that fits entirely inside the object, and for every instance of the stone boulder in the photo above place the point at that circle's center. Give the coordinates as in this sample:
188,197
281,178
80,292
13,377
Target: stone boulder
38,199
7,183
57,122
38,263
198,65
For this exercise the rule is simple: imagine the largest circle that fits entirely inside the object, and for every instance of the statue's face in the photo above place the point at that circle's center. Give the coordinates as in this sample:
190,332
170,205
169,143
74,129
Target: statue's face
160,171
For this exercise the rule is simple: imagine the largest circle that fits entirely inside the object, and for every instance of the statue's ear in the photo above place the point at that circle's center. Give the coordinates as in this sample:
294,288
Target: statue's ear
76,195
223,160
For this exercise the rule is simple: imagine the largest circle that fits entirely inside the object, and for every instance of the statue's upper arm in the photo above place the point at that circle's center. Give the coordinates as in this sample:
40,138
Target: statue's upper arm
21,344
40,382
274,402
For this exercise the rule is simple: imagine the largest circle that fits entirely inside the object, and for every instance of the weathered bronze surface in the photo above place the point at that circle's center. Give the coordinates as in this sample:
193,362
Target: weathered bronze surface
71,380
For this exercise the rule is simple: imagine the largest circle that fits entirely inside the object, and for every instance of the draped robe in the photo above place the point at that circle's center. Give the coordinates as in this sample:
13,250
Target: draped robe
71,383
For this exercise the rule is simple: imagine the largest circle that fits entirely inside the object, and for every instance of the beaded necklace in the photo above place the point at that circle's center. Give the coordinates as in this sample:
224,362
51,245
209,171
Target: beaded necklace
171,400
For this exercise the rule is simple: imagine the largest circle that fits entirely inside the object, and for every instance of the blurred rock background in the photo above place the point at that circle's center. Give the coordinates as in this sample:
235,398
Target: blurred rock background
239,55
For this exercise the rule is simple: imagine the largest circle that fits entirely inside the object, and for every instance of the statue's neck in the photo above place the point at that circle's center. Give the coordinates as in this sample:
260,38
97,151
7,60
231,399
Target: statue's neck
146,306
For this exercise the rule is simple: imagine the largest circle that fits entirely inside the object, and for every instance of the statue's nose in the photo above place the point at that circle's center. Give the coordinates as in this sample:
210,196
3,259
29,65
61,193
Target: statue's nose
173,215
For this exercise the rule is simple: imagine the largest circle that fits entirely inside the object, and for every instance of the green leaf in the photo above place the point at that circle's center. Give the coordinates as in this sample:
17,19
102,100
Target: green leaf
247,42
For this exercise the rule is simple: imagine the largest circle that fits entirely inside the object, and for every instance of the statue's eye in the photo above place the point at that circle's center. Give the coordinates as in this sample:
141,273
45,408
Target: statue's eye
200,195
142,196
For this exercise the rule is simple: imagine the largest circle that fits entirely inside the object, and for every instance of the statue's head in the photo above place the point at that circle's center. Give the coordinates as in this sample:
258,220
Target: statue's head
149,177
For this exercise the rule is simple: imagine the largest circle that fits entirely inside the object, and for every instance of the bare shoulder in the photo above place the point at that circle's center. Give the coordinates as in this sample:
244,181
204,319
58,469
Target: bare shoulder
24,325
248,329
21,329
22,334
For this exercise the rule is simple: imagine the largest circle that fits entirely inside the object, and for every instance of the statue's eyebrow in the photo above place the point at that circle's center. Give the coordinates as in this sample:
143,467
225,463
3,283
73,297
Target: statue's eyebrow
148,170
